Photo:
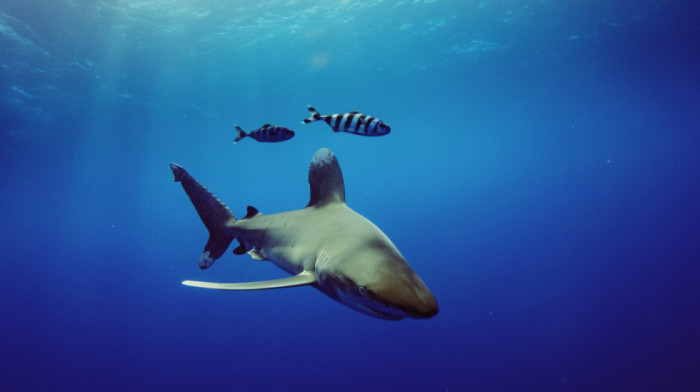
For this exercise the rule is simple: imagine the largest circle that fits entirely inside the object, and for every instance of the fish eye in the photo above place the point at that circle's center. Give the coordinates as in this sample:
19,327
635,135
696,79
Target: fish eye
362,290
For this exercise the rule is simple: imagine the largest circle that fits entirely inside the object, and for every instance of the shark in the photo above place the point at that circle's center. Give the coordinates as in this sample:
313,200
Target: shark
325,245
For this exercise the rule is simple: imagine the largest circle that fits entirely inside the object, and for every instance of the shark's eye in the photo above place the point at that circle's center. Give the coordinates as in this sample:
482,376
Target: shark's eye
362,290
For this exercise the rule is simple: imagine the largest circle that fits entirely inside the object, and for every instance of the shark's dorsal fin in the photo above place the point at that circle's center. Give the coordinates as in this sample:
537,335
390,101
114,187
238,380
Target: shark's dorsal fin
251,212
325,179
304,278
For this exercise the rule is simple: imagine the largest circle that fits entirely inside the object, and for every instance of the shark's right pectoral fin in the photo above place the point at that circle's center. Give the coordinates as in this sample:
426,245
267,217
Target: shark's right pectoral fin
304,278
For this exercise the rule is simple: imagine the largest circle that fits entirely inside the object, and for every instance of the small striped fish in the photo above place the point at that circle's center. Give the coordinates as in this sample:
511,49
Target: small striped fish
267,134
353,122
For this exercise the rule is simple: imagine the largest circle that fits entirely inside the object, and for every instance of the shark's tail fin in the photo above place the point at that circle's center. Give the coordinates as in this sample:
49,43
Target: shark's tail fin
214,214
315,116
241,134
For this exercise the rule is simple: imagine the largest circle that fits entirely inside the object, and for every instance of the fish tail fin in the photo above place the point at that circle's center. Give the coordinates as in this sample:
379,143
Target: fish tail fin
241,134
213,212
315,116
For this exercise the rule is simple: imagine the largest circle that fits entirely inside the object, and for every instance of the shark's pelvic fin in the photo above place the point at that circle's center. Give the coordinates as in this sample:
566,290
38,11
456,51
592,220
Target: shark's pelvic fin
325,179
302,279
255,255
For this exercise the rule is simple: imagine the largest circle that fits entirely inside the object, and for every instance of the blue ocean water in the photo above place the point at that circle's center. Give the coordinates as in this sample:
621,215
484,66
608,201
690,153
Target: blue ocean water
542,176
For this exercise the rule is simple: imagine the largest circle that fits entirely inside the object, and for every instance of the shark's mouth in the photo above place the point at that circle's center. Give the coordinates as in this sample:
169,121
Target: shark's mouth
379,314
363,307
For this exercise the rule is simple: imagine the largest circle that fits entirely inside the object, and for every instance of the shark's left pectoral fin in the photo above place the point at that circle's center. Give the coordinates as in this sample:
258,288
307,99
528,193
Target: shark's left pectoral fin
304,278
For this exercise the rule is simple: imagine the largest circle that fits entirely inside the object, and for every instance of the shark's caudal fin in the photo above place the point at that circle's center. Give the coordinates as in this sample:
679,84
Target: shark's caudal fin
325,179
315,116
214,214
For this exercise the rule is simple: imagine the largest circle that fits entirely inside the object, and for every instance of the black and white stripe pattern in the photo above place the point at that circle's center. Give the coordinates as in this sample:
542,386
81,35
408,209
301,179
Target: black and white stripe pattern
353,122
266,134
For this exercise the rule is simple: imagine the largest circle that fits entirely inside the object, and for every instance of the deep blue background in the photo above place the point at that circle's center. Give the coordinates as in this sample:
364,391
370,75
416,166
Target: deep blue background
542,176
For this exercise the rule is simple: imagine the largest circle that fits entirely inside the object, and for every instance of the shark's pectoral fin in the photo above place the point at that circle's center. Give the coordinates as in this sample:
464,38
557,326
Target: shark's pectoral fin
304,278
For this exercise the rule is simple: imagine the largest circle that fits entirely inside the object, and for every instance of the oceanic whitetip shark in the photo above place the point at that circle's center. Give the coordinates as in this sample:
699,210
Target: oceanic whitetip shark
326,245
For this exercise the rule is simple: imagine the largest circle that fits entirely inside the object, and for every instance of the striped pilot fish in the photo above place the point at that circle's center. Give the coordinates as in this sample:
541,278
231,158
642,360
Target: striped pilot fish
353,122
267,134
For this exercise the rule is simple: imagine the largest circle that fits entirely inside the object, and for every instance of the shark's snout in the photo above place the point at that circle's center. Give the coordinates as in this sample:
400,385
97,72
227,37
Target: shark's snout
402,296
415,300
424,308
